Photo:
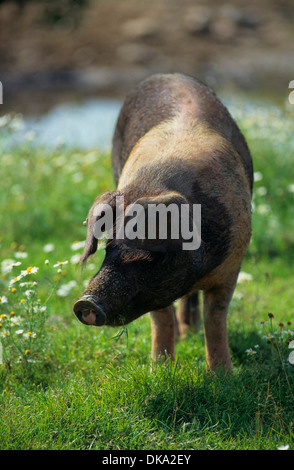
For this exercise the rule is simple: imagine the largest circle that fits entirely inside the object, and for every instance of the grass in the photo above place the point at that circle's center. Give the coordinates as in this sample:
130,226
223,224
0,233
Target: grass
67,386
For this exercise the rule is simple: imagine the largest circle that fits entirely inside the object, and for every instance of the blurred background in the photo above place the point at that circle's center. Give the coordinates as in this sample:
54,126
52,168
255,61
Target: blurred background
67,52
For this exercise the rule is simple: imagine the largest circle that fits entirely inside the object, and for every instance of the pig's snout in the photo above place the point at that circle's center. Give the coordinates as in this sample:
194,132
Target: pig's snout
89,312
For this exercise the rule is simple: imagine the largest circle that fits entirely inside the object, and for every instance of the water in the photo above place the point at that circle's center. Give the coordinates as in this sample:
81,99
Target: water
90,124
85,125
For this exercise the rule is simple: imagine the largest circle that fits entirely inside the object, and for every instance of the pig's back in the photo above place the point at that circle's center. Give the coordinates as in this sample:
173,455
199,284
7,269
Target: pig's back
162,97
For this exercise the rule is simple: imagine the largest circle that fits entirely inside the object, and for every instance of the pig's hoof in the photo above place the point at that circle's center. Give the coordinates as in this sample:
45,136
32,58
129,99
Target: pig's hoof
89,312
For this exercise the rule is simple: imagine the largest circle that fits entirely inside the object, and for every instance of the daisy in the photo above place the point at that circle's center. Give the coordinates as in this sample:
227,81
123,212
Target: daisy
15,321
285,447
23,273
268,336
21,254
60,263
250,352
29,334
49,247
8,264
75,259
77,245
4,334
244,277
291,355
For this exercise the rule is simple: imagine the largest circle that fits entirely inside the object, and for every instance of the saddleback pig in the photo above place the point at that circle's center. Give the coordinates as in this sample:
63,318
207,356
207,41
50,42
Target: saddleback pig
174,143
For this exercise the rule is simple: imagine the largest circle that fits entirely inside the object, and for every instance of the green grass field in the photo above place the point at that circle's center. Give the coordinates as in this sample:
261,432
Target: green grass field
67,386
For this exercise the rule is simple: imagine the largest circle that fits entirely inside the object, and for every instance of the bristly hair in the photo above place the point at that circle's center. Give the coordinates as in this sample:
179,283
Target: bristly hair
130,254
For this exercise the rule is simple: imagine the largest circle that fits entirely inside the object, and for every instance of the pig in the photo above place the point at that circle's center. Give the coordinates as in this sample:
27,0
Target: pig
174,143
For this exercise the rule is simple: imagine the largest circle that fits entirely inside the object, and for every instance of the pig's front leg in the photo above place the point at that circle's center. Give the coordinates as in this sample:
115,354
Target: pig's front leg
216,305
163,327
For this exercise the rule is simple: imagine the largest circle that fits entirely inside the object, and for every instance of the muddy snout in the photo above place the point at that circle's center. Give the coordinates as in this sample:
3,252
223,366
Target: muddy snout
89,312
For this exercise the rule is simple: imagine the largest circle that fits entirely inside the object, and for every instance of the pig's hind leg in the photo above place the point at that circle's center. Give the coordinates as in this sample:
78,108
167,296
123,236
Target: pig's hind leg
188,314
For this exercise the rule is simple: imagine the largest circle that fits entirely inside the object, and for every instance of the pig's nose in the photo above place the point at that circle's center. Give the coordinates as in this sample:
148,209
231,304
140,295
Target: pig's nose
88,311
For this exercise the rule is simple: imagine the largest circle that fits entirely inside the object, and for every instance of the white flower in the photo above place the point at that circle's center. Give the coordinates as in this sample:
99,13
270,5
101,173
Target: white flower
91,266
21,254
49,247
62,291
15,279
15,320
65,289
75,259
8,264
77,245
33,270
285,447
3,300
28,293
60,263
291,188
238,295
291,355
289,332
261,191
268,336
28,284
29,335
250,352
19,332
263,209
244,277
3,334
29,270
291,358
37,309
257,176
25,272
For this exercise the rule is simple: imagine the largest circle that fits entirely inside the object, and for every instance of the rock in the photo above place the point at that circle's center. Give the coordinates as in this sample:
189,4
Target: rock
198,20
140,28
224,29
241,18
133,53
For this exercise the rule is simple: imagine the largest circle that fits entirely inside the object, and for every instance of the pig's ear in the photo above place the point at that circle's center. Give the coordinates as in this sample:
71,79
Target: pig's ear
163,218
107,200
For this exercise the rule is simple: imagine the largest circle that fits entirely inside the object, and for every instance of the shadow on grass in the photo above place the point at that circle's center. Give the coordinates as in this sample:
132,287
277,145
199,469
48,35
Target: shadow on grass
253,400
